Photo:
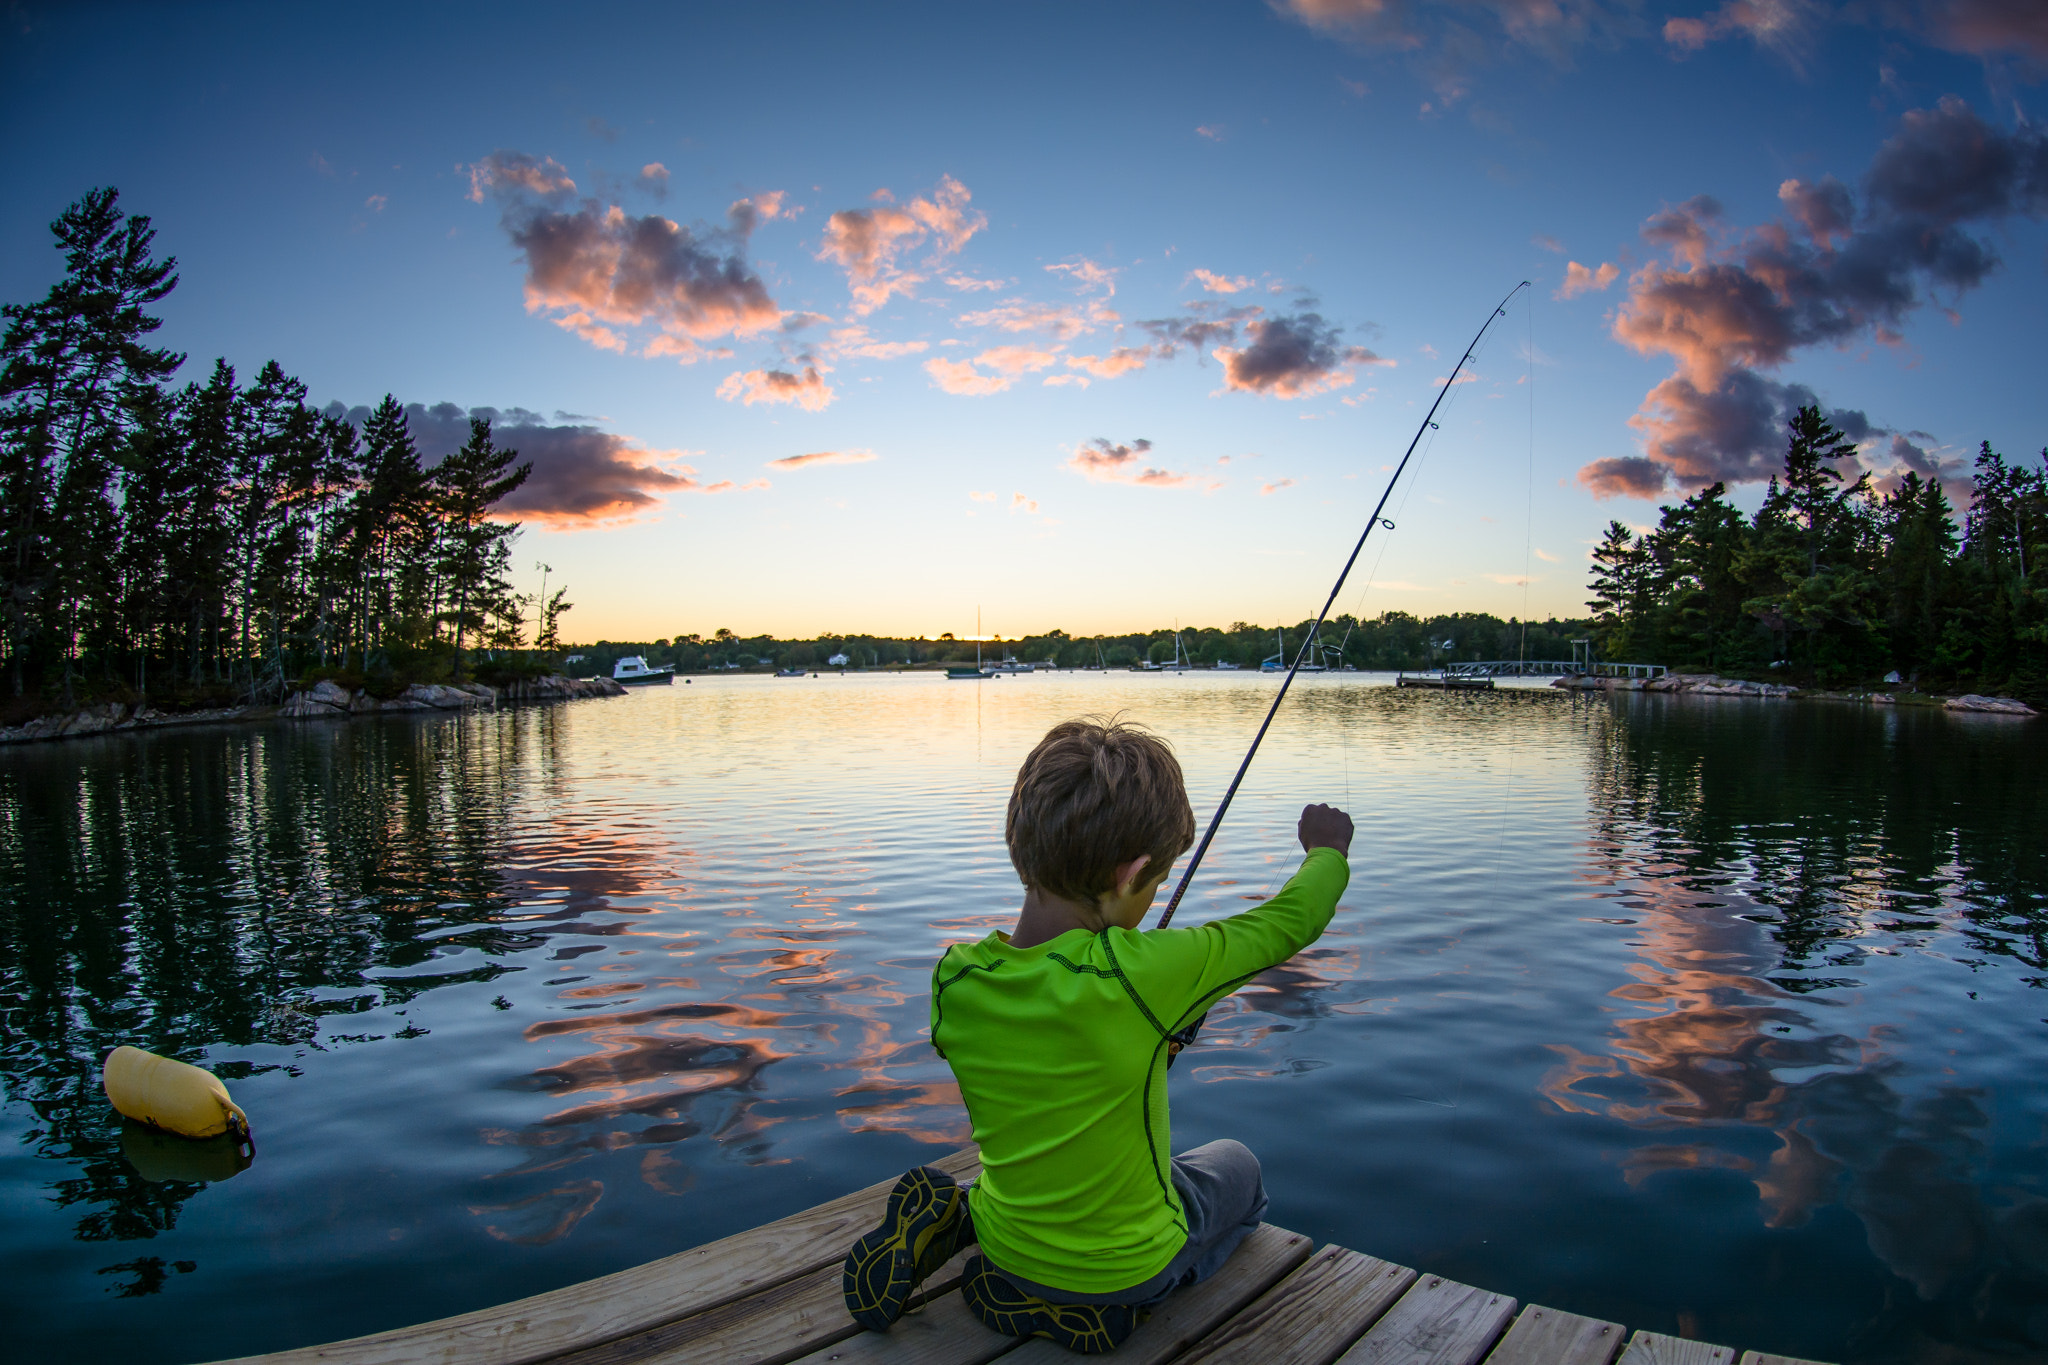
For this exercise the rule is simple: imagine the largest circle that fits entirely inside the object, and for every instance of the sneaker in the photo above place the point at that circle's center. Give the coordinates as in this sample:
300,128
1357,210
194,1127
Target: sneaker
920,1231
1087,1328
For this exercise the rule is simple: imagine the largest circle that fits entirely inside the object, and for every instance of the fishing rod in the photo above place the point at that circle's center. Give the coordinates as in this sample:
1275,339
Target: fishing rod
1376,519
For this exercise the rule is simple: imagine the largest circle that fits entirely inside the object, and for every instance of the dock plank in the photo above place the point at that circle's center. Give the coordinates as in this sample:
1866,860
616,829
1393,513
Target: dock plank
946,1332
1766,1358
1545,1336
628,1302
788,1322
1258,1263
1654,1348
1309,1317
1437,1322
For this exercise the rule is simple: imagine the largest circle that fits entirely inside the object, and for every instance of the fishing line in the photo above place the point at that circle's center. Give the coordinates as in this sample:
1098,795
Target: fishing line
1507,798
1529,504
1377,519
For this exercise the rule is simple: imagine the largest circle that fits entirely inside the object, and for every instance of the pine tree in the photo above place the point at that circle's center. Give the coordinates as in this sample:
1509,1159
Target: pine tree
1920,544
75,365
385,526
1621,578
473,551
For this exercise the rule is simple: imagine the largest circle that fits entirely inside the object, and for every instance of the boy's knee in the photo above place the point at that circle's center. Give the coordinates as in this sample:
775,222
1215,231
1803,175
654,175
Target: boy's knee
1224,1156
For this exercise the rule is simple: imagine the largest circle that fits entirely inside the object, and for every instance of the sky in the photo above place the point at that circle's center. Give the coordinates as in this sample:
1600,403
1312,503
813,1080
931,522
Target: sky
823,318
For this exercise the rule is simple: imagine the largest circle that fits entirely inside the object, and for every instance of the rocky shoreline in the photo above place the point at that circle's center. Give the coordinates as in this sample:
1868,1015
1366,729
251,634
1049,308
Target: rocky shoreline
1707,685
325,700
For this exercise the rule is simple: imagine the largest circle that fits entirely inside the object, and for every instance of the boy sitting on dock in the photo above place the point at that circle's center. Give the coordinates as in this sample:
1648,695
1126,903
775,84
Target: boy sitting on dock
1060,1034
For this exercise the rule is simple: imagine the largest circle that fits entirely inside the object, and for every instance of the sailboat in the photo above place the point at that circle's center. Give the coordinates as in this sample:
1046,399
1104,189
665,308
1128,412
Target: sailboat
1180,664
1316,660
978,672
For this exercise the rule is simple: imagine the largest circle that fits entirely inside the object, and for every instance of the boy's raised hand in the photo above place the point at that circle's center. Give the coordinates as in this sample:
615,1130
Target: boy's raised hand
1325,827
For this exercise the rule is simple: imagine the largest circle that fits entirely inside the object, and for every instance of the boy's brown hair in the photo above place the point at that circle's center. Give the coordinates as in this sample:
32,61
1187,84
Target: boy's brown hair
1094,794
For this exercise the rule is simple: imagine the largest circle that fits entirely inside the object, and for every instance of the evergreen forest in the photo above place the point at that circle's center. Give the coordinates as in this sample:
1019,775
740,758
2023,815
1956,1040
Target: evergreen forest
1835,582
217,541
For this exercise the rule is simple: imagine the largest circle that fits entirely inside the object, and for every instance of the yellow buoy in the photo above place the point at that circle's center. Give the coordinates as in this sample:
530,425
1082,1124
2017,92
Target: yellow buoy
172,1095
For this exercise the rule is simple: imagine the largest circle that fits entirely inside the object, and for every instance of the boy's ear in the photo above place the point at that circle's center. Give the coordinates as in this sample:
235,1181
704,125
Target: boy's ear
1127,873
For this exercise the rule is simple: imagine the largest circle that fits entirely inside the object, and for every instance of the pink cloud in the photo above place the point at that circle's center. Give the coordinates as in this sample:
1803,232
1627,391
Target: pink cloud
808,390
960,377
1212,131
1824,210
685,350
1205,325
1983,28
1121,360
1103,461
1450,40
1020,503
982,497
543,177
1056,381
1267,490
1015,360
1087,274
592,331
601,268
581,477
1222,284
749,213
1728,304
1779,24
860,455
867,243
857,341
1059,319
1292,357
1580,280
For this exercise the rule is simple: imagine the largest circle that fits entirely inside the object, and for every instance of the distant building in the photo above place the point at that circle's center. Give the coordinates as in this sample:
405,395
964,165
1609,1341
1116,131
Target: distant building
837,661
573,659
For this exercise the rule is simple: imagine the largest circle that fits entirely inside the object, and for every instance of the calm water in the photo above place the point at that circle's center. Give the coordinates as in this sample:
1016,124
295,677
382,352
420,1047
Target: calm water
1711,1016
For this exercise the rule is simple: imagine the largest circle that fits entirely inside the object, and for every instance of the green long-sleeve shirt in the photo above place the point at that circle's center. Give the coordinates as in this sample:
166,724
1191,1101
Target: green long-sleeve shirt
1060,1052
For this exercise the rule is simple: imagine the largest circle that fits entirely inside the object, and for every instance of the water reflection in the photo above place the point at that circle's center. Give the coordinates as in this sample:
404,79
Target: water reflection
521,998
1764,880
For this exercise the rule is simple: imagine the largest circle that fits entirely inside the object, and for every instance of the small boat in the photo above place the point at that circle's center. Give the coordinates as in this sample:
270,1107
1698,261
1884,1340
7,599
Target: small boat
633,670
980,669
1226,667
1315,658
789,673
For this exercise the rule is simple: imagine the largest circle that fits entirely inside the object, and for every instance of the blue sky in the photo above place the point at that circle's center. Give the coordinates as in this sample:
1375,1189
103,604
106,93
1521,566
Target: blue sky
907,234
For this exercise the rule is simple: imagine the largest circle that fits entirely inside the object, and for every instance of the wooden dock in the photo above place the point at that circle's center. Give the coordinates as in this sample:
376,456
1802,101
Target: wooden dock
1448,683
771,1295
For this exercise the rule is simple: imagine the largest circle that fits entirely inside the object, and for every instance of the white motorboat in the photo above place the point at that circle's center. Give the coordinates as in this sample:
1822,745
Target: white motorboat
633,670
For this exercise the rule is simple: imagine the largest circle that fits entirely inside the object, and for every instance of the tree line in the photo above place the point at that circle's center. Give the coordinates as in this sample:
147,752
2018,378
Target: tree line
1393,640
219,539
1835,581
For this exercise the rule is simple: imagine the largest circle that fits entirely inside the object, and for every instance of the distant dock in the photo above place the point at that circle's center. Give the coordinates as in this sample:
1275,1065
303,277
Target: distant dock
1449,682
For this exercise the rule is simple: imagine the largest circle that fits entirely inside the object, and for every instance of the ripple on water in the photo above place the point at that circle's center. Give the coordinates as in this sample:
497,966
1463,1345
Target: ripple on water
1725,1017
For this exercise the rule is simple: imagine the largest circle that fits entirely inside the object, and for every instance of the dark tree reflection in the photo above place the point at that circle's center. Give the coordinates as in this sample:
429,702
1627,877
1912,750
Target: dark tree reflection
1762,875
181,892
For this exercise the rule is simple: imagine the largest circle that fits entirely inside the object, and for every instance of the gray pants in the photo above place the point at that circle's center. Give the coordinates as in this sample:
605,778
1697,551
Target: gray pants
1224,1199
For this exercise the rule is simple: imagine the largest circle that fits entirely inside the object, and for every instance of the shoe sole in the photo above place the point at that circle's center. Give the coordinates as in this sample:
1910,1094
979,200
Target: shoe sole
881,1270
1086,1329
